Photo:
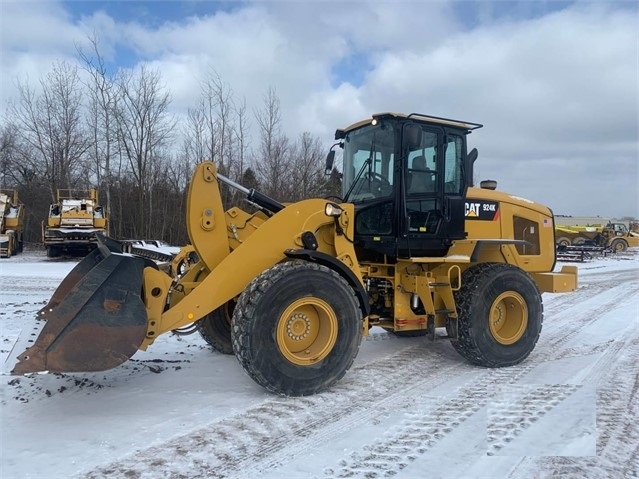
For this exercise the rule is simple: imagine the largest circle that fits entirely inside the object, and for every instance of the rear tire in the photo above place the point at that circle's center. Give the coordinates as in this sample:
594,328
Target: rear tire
563,241
296,328
215,328
500,315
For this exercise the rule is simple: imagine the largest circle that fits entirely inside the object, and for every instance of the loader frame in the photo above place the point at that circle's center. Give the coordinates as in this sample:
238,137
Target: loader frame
291,289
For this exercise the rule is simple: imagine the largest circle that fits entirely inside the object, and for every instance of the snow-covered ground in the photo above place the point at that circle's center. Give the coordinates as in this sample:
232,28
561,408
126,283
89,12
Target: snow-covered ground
408,408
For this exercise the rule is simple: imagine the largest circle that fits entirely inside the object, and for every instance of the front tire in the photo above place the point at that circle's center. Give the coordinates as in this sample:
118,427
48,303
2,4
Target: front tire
500,315
296,328
619,246
215,328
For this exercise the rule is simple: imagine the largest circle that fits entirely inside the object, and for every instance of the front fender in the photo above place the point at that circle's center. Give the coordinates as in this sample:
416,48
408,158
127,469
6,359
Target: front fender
336,265
258,252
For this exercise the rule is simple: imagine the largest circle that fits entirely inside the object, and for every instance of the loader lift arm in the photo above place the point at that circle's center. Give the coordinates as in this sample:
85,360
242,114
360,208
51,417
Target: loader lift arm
123,297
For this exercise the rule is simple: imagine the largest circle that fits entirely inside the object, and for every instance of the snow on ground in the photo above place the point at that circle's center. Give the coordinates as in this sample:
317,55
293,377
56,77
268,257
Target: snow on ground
408,408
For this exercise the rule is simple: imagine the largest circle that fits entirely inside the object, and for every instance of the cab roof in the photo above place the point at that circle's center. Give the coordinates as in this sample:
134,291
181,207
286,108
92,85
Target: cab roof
435,120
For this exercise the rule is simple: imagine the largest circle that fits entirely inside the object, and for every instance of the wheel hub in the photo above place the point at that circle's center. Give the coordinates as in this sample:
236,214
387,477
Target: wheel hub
498,316
307,331
298,327
508,318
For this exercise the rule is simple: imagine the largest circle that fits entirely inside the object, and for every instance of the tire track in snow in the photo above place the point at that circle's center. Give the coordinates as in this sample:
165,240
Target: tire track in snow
615,374
376,463
261,438
415,436
556,303
617,413
560,328
265,431
513,414
617,410
422,431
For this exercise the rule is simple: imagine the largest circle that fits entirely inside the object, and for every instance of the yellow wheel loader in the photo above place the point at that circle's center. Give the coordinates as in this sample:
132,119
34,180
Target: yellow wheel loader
411,247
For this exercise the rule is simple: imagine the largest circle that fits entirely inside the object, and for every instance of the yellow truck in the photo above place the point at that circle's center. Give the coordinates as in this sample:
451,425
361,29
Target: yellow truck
614,236
11,223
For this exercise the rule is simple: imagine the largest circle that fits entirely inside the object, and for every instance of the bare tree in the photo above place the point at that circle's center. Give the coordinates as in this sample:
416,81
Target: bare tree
144,129
50,124
195,132
210,124
237,154
101,117
308,178
9,164
241,132
218,107
217,130
17,173
272,163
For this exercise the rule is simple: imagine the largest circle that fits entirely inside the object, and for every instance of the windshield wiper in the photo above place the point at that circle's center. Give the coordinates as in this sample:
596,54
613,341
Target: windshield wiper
369,163
356,180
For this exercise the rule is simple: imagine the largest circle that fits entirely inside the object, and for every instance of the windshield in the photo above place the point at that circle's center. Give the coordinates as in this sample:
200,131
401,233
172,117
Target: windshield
620,228
369,154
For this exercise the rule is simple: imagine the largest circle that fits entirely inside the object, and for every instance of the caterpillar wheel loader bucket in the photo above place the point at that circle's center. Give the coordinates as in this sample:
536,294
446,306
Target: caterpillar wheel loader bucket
96,319
79,271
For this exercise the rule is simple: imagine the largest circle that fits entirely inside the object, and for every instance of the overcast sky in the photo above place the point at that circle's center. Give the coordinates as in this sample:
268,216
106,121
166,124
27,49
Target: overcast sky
555,84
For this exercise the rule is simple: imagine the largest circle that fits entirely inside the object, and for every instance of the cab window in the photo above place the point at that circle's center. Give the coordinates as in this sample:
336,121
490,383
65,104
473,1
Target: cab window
453,164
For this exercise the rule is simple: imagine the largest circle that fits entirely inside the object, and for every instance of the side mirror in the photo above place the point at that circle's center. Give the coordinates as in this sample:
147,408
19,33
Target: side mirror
412,136
468,166
330,159
472,156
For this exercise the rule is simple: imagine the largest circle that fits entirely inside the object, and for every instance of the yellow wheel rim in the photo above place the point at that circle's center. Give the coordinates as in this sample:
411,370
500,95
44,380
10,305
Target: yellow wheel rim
508,317
307,331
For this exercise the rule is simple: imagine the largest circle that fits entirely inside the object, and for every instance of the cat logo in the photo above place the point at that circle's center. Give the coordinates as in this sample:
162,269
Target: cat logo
472,209
482,210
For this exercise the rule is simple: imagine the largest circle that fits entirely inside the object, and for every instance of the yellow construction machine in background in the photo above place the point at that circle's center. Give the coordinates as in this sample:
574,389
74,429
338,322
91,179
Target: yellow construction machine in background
73,222
11,223
613,236
291,289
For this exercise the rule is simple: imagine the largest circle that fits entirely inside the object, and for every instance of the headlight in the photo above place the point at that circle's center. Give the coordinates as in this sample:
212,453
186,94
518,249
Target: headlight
331,209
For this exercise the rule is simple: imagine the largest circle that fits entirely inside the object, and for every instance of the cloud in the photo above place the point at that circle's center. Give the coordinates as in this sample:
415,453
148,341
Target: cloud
557,90
558,96
32,37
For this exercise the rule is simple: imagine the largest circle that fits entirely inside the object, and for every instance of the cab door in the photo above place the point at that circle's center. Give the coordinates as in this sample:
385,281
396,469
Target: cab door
434,189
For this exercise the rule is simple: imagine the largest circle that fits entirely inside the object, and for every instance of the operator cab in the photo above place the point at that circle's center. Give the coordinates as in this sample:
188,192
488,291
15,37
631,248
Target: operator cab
407,176
619,229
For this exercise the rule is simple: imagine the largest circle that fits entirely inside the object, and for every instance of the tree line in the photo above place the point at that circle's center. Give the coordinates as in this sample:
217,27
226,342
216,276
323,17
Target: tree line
88,127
